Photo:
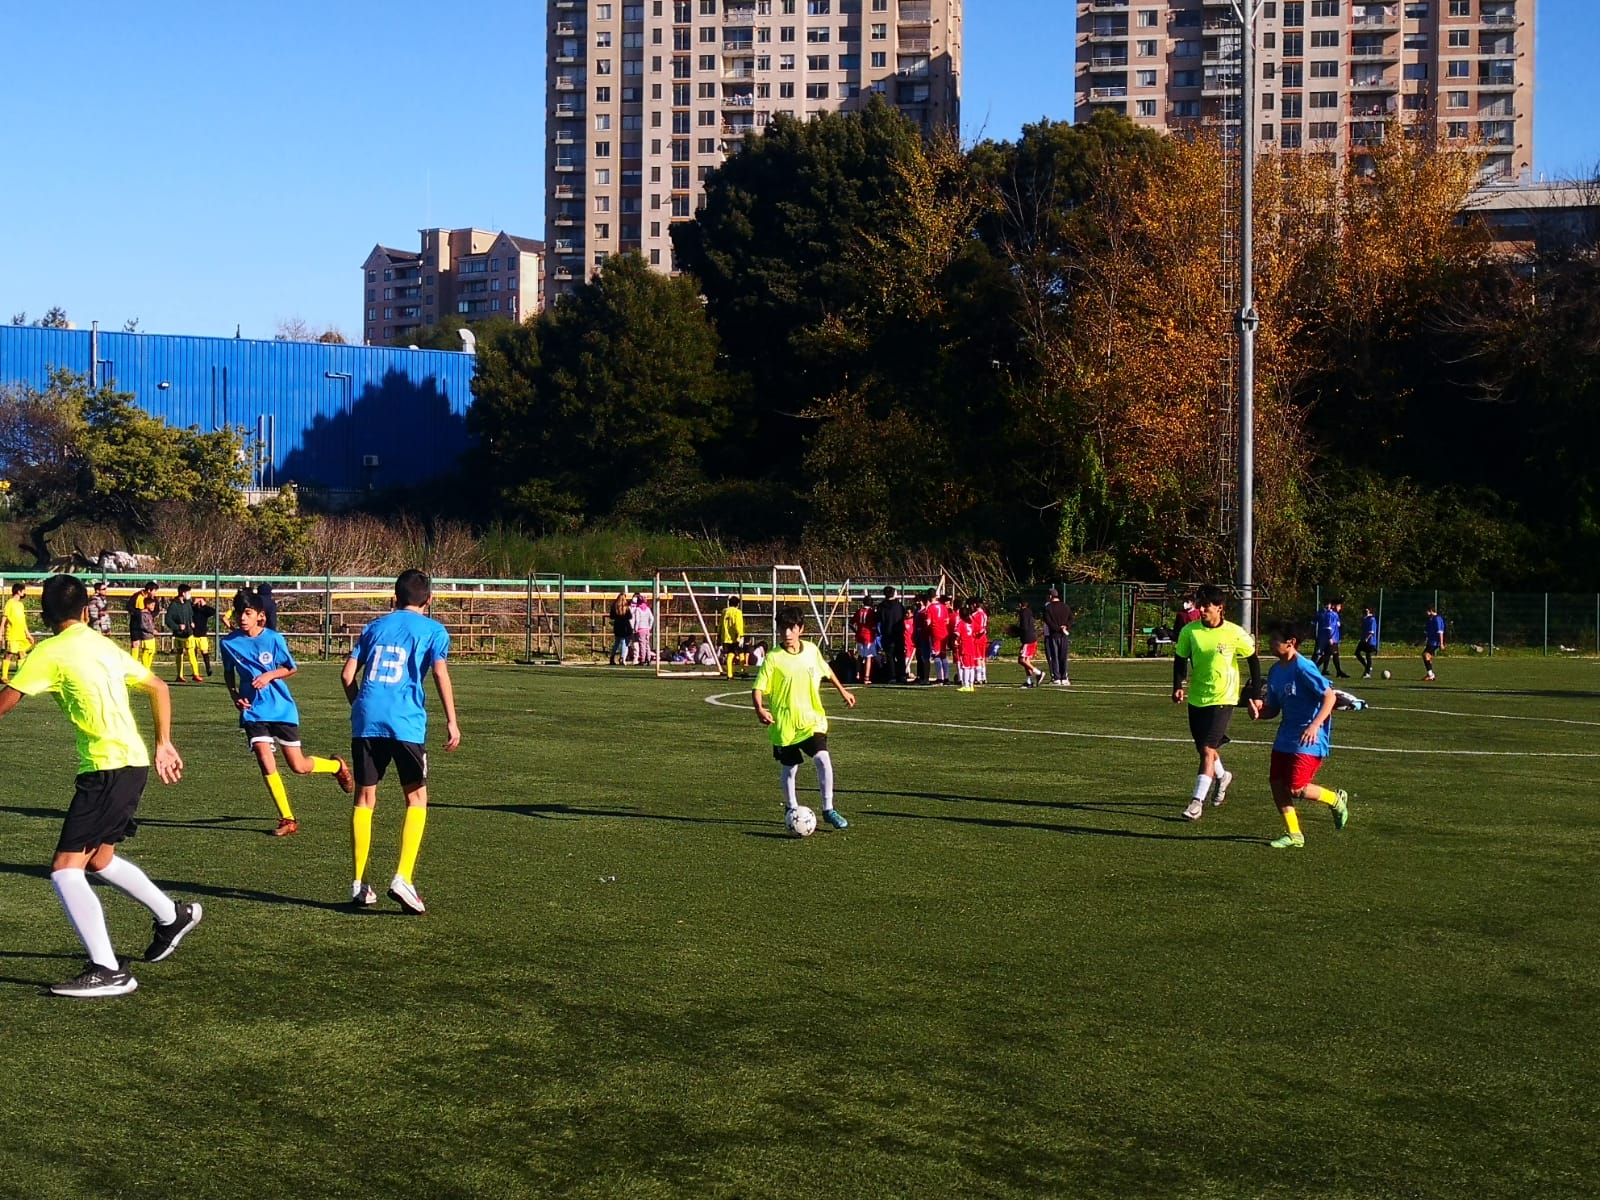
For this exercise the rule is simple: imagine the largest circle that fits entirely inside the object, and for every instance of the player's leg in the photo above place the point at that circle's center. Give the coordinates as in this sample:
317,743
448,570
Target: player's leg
1208,726
8,660
1335,798
204,645
788,759
1281,778
411,764
302,763
370,759
817,747
262,745
179,647
194,657
171,920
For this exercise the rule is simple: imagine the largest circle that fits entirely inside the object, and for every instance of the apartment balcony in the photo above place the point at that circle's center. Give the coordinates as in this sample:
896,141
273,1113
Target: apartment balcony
739,100
565,165
735,45
568,191
1378,53
1105,62
568,112
1499,20
565,219
563,273
1098,94
1222,24
1219,85
1368,109
1213,58
915,42
566,60
739,73
1113,5
739,12
1377,85
1367,22
1108,33
915,14
568,29
567,83
569,5
1496,81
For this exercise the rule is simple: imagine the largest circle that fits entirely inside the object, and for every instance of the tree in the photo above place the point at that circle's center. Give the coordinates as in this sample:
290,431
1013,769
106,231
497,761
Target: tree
446,334
298,329
131,325
613,389
75,454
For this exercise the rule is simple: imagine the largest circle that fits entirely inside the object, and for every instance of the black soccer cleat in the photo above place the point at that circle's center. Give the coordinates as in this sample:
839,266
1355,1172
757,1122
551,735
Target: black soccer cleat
164,939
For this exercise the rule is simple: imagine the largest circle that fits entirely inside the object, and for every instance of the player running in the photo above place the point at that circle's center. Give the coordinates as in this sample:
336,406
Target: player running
389,723
1306,699
256,666
18,641
1213,647
89,675
790,679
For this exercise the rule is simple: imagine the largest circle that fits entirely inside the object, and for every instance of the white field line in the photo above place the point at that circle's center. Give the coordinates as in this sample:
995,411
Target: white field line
719,701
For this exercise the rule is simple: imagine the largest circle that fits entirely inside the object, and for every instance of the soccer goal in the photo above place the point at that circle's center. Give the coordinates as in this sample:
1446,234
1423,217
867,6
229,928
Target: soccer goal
689,603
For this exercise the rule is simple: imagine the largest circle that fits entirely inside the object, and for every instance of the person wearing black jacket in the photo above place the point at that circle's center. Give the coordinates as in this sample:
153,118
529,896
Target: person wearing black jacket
1028,631
1057,636
892,633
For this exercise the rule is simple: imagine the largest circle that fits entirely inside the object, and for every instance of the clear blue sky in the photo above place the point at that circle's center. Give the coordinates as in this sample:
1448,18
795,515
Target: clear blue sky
201,165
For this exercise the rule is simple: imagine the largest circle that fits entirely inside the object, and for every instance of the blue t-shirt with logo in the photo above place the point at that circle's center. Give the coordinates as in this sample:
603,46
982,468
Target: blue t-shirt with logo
1369,630
246,657
1434,633
394,655
1296,689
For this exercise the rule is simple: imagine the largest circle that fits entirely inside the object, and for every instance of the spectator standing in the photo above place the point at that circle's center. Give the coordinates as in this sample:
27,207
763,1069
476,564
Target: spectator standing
1057,638
644,623
621,629
891,623
100,610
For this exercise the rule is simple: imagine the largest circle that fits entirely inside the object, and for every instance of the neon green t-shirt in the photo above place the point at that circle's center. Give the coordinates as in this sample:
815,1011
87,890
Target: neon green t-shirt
1214,656
16,624
792,684
88,674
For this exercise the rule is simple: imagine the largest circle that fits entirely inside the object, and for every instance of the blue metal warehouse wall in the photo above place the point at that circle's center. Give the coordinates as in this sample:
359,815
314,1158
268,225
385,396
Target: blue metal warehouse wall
323,411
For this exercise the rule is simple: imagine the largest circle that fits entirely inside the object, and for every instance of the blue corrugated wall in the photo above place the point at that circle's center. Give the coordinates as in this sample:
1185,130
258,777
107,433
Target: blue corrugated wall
330,409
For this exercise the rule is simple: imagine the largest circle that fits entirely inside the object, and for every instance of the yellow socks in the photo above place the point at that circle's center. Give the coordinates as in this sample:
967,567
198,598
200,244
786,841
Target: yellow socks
147,656
1324,794
324,766
280,795
194,661
361,838
5,671
411,839
1292,820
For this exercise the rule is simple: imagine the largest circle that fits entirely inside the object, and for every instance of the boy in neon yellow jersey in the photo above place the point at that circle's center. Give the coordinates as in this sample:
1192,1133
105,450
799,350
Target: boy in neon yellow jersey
1213,647
790,678
89,675
17,638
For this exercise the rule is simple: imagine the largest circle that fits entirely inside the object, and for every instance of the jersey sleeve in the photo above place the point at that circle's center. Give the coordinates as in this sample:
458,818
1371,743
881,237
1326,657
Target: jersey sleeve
1247,644
763,683
38,673
1184,647
441,644
362,650
284,657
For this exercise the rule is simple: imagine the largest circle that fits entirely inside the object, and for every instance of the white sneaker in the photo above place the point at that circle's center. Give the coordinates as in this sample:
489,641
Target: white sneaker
1195,810
362,895
1222,788
403,894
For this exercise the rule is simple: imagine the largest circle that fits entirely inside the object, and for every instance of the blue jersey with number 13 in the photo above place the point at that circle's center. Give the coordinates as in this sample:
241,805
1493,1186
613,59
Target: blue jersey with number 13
395,654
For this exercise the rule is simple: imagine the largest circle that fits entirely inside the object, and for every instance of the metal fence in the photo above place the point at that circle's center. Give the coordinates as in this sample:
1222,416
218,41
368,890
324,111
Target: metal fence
549,618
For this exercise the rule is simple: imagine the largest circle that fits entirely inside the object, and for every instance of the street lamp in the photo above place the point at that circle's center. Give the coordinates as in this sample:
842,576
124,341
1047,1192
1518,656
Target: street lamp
1247,320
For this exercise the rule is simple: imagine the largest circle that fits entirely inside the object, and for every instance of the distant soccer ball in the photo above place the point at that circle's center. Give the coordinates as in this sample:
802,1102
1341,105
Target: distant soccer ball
802,822
1386,674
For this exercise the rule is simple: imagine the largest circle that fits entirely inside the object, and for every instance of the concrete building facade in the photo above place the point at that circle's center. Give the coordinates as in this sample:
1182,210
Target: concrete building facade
646,97
1333,74
471,273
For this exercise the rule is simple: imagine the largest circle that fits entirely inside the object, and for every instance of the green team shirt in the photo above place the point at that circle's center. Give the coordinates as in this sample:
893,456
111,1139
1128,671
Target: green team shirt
792,684
1214,656
88,674
16,618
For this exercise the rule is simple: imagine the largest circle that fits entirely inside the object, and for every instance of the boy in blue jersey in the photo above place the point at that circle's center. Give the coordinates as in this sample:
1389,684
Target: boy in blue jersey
1305,698
1329,634
1432,641
256,664
389,723
1368,646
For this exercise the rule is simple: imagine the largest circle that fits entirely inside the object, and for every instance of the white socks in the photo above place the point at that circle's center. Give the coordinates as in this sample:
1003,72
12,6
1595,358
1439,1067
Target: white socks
135,884
786,776
1202,786
87,917
824,763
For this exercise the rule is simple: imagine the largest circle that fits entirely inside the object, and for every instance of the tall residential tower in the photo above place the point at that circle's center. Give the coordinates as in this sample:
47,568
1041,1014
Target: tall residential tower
644,98
1334,74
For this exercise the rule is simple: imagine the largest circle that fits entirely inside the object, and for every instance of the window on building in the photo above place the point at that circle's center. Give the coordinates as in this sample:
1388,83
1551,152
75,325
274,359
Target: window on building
1149,18
1324,99
1460,69
879,32
1455,99
1460,8
1324,39
1145,78
1144,108
1327,69
1291,135
1294,45
1414,71
1460,37
818,62
1416,41
880,58
1145,48
1324,8
816,91
1294,14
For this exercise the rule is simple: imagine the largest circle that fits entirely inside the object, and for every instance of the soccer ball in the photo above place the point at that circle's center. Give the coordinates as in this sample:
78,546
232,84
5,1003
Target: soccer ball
801,821
1386,674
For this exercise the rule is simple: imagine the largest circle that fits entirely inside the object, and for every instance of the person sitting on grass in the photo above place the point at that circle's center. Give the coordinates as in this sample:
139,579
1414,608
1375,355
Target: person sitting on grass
256,666
1302,694
788,701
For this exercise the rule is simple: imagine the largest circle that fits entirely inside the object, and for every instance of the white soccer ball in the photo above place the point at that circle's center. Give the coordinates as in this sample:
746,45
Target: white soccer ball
801,821
1386,674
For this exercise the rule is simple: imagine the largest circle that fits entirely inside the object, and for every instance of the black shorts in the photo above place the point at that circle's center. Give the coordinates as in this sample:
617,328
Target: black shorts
102,809
281,732
370,758
1209,725
790,756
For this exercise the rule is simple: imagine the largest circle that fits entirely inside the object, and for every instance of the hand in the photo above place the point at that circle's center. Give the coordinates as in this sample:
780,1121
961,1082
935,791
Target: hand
764,715
1177,695
452,739
241,703
1309,737
261,682
849,699
1255,707
169,767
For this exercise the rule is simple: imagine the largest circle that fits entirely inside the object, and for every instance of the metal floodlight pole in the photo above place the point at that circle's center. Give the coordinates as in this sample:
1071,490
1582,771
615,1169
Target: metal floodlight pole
1247,319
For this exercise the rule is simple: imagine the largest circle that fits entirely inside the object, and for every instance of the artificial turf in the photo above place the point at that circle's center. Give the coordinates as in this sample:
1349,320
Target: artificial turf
1018,973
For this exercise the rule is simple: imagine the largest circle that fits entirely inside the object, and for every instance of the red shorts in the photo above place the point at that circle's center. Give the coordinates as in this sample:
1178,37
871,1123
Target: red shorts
1029,649
1296,770
938,643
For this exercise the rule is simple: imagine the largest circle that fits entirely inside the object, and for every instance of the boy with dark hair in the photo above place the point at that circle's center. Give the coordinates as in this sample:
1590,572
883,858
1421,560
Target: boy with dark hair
18,640
790,677
256,665
1367,648
89,675
1028,632
733,634
180,623
1213,646
1432,641
1306,699
204,614
389,723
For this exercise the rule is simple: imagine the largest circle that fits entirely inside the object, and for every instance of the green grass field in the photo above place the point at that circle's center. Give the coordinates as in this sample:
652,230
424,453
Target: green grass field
1018,973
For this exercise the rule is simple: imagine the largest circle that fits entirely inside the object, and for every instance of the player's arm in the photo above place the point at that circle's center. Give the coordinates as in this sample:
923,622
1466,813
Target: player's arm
447,698
169,766
1253,703
1180,677
230,680
1329,698
9,699
347,677
759,699
267,678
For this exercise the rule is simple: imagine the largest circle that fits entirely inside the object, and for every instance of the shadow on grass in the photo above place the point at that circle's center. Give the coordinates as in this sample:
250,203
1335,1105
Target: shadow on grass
1164,808
43,814
224,824
553,811
184,887
1089,830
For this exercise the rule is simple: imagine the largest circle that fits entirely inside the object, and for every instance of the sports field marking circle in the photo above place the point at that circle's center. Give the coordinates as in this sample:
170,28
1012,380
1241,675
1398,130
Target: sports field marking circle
719,700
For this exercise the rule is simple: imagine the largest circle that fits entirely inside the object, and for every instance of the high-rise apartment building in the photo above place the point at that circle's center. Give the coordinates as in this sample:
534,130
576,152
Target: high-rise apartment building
646,97
470,273
1333,74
